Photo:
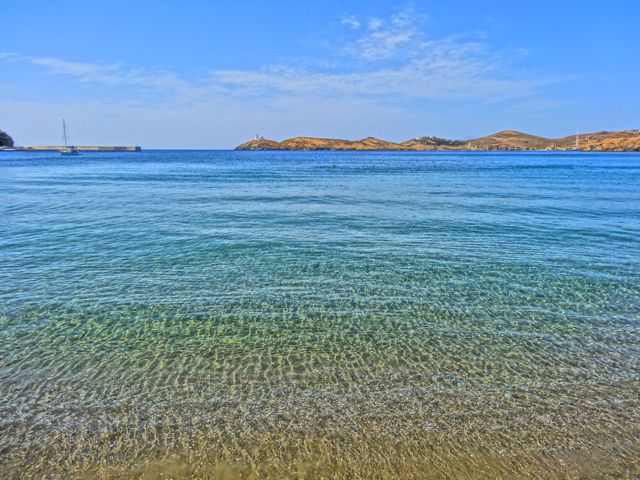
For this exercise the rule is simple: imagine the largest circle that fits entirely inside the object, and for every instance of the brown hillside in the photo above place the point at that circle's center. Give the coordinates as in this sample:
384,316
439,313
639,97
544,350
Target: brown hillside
627,140
310,143
509,140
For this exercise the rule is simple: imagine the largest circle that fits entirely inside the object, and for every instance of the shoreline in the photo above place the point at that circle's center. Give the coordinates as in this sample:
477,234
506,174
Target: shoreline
507,140
435,151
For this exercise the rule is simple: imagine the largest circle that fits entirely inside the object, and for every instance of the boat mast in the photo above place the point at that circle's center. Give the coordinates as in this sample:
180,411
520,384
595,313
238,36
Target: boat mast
64,132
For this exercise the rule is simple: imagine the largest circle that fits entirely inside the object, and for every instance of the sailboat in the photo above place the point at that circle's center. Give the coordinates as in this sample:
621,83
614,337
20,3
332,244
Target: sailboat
67,150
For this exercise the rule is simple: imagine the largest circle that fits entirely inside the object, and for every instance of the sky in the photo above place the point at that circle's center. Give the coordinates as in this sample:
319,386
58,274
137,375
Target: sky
213,74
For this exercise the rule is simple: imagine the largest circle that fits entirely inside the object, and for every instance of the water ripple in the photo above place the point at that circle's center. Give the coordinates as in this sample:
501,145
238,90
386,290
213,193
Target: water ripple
306,315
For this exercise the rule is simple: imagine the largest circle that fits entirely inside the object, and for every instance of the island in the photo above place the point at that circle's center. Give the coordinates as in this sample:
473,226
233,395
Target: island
507,140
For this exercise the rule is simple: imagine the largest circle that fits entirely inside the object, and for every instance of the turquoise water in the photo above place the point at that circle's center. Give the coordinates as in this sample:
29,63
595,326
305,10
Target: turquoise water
221,306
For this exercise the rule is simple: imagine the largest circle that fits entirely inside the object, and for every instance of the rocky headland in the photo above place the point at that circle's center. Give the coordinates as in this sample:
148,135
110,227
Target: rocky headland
5,140
507,140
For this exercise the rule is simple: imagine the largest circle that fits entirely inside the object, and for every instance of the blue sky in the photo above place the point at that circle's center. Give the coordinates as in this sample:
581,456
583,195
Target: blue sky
211,74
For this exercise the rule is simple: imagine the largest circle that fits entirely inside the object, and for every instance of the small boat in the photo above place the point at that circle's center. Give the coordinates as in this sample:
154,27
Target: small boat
68,149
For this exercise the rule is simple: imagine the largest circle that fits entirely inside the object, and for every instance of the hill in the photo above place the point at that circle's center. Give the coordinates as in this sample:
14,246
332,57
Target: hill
509,140
311,143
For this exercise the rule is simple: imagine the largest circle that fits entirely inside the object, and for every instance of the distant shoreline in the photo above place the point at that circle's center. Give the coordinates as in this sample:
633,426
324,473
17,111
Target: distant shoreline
507,140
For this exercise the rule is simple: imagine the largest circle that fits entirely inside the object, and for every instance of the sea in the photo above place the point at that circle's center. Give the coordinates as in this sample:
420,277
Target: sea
223,314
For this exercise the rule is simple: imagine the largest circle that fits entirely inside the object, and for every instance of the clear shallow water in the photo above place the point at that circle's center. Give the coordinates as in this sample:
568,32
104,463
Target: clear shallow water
339,314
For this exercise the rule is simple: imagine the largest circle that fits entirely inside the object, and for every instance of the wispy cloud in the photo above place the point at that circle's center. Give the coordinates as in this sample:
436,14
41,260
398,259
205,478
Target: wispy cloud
451,68
438,77
444,69
111,74
385,38
375,24
397,66
351,21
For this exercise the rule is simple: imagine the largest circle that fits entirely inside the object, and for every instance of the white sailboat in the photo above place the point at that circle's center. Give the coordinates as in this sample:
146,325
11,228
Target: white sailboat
67,150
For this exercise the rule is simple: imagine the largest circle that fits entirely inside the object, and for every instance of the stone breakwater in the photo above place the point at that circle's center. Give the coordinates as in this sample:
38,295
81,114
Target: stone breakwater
82,148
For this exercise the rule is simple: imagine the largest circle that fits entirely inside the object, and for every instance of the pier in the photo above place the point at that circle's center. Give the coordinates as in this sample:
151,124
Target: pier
82,148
